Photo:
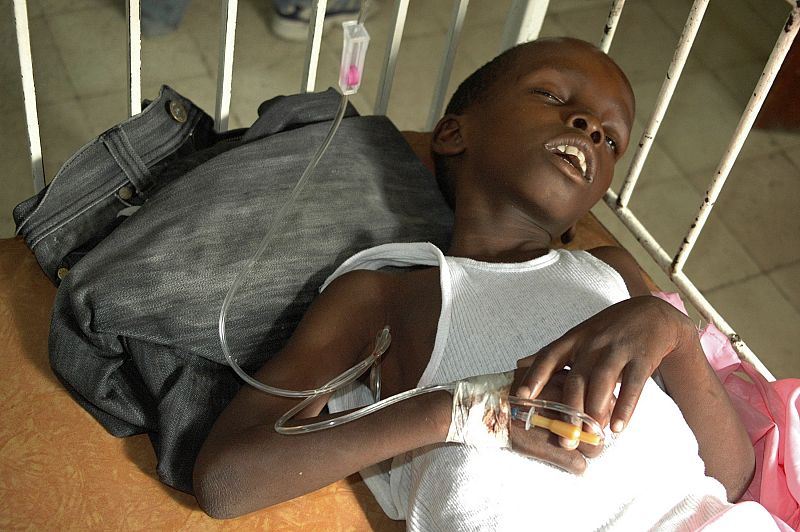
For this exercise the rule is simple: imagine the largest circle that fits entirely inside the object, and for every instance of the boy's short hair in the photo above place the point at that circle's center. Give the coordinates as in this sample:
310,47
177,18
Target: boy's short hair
475,88
477,85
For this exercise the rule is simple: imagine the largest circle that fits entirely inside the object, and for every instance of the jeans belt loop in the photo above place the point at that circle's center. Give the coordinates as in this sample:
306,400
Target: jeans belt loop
121,149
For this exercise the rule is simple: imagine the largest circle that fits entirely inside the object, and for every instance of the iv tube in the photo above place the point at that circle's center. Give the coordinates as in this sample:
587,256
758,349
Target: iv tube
265,241
356,40
355,47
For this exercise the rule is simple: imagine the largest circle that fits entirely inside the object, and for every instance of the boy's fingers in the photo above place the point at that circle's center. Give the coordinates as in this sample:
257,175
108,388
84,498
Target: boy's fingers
600,391
574,389
524,362
633,381
543,364
542,445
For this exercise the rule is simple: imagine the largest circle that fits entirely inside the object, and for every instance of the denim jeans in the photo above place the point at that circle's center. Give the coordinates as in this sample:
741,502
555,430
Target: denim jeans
145,228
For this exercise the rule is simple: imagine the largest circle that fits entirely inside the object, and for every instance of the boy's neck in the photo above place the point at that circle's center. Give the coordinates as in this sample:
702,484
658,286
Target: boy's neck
478,239
491,243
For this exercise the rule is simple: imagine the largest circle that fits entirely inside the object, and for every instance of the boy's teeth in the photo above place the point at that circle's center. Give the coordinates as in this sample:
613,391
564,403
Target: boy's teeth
572,150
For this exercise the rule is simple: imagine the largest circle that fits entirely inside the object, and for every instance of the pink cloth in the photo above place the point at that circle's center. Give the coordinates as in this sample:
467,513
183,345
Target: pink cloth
771,413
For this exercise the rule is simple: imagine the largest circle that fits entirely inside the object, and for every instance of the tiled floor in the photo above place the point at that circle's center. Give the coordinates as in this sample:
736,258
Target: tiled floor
748,262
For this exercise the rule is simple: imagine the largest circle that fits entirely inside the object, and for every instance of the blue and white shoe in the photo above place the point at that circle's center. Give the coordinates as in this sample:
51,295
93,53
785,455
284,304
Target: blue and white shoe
290,17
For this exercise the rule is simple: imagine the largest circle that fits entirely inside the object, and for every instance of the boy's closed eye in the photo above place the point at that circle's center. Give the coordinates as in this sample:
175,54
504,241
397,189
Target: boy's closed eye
551,97
548,95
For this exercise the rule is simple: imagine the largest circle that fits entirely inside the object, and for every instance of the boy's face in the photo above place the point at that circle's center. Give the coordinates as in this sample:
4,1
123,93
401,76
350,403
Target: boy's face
547,136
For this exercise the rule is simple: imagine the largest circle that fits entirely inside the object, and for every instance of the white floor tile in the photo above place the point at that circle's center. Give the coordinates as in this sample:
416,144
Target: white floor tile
740,79
16,176
728,37
789,140
759,206
668,209
170,58
49,72
787,279
699,123
417,70
765,320
56,7
673,13
104,111
487,12
96,61
626,239
794,155
562,6
659,166
64,129
771,12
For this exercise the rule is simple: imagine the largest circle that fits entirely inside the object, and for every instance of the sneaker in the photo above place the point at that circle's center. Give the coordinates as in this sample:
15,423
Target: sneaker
290,22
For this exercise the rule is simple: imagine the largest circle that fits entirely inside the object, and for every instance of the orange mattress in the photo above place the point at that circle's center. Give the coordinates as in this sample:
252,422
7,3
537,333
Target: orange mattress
59,469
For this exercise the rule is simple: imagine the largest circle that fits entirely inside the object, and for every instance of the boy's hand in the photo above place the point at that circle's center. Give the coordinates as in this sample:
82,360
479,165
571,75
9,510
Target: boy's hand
540,443
624,343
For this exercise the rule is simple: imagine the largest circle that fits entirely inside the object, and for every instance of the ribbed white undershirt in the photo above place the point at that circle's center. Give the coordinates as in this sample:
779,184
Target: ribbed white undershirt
492,315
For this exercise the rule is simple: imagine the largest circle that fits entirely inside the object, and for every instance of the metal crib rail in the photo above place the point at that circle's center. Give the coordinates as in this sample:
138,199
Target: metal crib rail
523,22
673,265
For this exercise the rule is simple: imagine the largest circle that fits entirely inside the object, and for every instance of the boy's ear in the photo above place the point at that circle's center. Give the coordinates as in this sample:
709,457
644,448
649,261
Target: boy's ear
447,139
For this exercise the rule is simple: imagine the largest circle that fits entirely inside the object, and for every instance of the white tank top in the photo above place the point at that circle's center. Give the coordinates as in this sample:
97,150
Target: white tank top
492,315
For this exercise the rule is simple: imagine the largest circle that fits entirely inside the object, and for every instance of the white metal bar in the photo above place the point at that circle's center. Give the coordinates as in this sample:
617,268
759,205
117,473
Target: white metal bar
29,92
647,241
689,290
315,27
710,313
227,42
664,97
768,76
132,7
390,57
446,68
611,24
524,22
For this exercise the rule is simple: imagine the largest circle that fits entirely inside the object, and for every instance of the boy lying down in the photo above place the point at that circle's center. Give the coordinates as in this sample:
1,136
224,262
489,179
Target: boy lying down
527,146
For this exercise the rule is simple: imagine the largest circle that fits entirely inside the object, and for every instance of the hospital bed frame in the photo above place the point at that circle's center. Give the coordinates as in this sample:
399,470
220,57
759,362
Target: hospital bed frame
60,469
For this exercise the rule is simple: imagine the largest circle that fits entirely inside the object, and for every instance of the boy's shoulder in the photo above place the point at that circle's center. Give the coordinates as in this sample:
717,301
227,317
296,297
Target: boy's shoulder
382,285
624,263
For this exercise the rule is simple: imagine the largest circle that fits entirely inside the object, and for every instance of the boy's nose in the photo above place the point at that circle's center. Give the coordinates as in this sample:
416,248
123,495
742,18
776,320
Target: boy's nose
589,125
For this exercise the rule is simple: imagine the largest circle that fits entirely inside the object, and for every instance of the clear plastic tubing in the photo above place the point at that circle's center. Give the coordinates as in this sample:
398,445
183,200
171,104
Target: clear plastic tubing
356,40
265,241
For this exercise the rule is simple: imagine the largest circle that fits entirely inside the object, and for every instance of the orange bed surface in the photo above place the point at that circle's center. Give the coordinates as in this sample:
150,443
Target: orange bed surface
59,469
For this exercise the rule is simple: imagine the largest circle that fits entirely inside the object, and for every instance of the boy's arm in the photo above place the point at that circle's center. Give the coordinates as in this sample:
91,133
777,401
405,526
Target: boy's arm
691,382
245,465
627,342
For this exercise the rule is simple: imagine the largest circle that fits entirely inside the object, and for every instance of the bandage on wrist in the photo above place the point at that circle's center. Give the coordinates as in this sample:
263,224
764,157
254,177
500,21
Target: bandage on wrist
481,412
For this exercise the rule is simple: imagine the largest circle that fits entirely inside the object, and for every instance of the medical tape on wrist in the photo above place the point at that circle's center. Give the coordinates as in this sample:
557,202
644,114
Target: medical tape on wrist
481,411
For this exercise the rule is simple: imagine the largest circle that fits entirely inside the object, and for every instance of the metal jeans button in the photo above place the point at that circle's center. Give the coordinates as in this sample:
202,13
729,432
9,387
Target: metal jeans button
125,193
178,111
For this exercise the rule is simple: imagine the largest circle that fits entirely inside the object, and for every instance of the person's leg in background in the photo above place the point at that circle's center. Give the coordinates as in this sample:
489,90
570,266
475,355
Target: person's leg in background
290,17
160,17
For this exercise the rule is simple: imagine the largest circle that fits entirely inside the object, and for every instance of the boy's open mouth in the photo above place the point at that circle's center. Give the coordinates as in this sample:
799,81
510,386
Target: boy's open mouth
574,156
575,153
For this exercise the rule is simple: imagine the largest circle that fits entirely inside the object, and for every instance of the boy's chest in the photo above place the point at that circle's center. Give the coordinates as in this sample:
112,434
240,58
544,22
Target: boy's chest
413,312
